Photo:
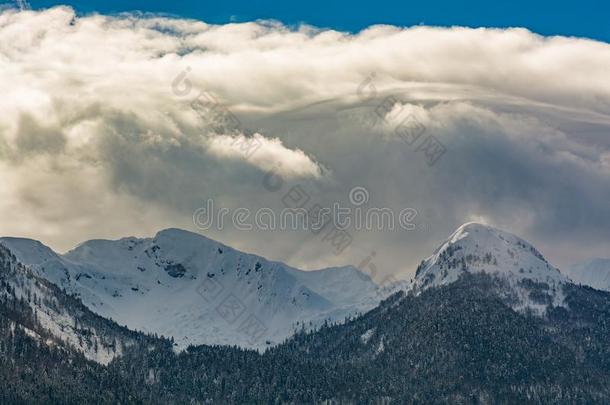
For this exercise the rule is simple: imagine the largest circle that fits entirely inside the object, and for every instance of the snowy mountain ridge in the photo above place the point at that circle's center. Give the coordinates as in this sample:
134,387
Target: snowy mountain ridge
183,285
195,290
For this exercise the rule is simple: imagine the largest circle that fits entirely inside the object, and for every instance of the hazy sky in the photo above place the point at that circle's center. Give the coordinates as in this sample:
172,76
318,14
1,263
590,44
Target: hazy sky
99,137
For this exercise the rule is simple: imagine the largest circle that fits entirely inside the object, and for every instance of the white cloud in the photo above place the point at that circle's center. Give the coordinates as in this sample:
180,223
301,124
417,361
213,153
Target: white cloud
266,154
90,124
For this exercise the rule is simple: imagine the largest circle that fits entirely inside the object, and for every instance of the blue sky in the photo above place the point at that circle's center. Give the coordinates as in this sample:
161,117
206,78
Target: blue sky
586,18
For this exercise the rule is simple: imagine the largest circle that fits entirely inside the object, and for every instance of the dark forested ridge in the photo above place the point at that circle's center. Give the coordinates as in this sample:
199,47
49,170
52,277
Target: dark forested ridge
460,343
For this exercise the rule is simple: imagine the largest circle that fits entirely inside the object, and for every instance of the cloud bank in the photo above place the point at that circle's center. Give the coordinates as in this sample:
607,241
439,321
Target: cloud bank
117,125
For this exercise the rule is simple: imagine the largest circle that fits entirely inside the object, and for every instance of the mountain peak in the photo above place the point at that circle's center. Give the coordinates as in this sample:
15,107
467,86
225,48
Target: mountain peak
475,226
181,236
478,248
481,232
178,233
28,250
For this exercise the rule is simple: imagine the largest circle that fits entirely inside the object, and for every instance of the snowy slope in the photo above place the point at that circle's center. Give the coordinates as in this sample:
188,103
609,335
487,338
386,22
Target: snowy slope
530,281
182,285
48,315
594,273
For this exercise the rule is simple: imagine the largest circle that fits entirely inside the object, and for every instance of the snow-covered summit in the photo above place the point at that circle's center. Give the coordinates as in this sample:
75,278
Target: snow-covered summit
479,248
42,260
28,249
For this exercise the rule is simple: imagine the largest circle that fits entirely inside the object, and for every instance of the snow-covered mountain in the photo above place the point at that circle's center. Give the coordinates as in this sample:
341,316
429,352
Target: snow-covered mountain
183,285
528,280
198,291
454,342
594,273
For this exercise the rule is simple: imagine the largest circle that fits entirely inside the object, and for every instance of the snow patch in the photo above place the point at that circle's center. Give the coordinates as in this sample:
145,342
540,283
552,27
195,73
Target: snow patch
366,336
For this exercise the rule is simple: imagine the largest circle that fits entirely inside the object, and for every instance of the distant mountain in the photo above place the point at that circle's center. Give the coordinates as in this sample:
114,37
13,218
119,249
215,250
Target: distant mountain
183,285
480,330
594,273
